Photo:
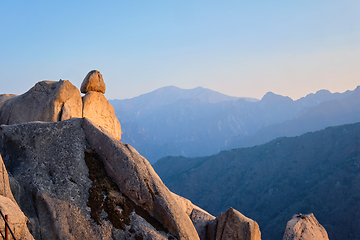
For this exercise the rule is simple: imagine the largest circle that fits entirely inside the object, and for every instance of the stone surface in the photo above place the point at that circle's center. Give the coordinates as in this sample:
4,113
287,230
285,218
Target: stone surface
4,98
47,101
199,217
136,178
5,189
233,225
93,82
16,219
97,108
304,227
66,193
9,206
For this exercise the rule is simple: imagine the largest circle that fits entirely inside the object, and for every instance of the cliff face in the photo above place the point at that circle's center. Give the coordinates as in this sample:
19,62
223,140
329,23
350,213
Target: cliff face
73,179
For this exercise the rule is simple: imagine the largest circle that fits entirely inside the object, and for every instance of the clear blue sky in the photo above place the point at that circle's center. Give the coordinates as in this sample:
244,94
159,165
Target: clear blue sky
240,48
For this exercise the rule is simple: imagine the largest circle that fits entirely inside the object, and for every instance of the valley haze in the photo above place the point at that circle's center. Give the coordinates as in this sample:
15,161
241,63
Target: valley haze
200,121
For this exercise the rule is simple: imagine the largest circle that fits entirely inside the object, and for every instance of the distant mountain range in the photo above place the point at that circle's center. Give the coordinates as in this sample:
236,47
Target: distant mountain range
316,173
199,121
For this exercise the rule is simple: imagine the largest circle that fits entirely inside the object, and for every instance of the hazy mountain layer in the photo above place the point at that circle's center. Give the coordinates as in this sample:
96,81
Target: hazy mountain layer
199,122
315,173
329,113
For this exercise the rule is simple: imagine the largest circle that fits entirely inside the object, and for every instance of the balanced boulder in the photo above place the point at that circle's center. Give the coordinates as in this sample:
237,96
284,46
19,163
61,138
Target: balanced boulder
47,101
93,82
304,227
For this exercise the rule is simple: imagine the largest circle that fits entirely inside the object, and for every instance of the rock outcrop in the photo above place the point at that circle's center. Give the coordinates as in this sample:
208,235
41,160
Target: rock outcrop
8,206
47,101
304,227
4,98
100,111
96,107
73,179
93,82
51,101
66,192
231,225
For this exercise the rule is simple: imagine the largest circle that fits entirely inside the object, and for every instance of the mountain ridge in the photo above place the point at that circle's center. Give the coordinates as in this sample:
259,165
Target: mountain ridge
316,172
165,124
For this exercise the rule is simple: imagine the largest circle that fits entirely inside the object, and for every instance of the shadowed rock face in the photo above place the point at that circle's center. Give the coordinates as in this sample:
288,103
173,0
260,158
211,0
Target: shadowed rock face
304,227
51,101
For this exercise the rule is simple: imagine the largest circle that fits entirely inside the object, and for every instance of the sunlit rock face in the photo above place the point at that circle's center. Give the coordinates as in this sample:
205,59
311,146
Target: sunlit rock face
96,107
52,101
304,227
8,206
74,179
93,81
47,101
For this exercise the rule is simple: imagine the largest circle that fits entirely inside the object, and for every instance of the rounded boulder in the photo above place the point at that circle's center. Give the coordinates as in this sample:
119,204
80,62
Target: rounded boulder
93,82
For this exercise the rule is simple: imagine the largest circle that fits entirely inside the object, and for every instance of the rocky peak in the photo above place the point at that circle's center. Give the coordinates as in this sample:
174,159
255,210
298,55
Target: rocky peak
52,101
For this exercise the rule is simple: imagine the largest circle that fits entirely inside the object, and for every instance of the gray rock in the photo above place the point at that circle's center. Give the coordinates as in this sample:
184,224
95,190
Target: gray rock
47,101
4,98
137,179
304,227
199,217
93,81
67,194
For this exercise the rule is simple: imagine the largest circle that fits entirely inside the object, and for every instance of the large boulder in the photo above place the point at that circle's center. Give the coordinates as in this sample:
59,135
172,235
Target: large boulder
77,181
304,227
136,178
232,225
97,108
8,206
93,82
199,217
47,101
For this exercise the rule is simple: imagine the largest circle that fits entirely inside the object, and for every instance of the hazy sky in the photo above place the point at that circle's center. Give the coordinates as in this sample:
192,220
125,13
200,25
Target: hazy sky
240,48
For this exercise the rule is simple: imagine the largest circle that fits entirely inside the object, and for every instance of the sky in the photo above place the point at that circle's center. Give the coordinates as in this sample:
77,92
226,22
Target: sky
239,48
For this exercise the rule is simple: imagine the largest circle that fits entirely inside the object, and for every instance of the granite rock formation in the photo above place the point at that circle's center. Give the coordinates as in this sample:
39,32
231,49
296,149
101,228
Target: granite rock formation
52,101
304,227
73,179
93,81
231,225
76,180
100,111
